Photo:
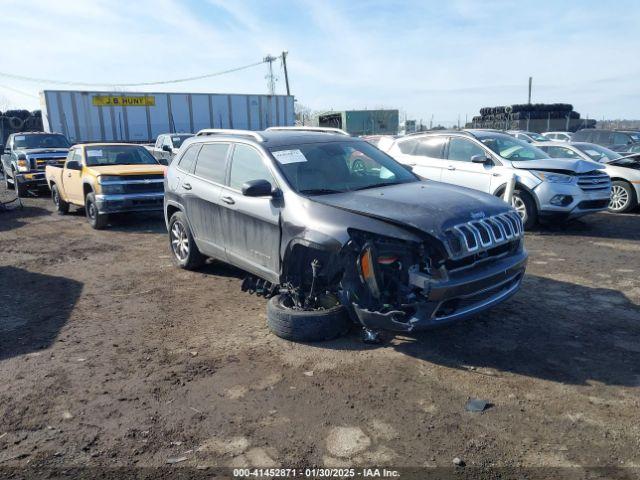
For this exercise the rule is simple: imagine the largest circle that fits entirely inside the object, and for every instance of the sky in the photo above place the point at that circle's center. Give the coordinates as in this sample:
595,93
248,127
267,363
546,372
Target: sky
433,60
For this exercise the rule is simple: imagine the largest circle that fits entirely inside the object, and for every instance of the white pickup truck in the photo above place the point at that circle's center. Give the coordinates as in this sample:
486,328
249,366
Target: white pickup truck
167,145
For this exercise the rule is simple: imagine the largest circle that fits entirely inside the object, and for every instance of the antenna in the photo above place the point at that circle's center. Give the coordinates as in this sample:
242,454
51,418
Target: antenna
271,80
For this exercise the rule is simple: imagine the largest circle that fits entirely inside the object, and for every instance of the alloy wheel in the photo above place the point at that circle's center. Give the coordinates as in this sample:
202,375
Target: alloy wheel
179,241
92,210
619,198
520,206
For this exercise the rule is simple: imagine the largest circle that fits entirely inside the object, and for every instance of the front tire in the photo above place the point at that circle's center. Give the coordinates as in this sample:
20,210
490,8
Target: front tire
96,220
623,197
184,250
525,207
306,325
62,207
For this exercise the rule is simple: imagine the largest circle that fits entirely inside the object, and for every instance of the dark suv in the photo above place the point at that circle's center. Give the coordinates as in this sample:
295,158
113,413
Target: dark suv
333,244
619,141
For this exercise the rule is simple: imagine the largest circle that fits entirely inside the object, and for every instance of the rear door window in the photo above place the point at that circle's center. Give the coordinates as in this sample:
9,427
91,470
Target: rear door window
212,161
188,158
408,146
431,147
247,165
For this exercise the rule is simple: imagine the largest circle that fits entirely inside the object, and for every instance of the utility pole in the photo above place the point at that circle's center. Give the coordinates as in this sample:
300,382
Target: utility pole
530,80
271,80
286,72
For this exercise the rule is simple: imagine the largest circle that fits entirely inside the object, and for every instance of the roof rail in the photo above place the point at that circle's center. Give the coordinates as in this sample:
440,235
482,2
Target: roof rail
229,131
439,132
337,131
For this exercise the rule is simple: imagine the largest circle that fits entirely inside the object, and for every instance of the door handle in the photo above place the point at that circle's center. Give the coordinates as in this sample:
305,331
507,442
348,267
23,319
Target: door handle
228,200
495,174
69,174
451,167
187,186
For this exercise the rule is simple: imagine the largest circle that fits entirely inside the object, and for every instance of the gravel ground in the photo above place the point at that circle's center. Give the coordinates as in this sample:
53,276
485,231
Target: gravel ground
112,357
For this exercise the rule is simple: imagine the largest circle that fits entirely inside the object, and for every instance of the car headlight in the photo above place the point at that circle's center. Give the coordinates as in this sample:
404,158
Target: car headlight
108,178
116,188
553,177
23,165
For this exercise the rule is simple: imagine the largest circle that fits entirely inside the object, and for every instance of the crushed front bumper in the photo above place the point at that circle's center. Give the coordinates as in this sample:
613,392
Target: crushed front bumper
580,202
462,295
140,202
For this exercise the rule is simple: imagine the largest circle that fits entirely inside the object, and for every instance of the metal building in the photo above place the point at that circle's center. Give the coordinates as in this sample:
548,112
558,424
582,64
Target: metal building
85,116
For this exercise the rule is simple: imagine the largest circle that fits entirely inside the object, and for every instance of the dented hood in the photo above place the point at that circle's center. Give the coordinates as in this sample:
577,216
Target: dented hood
558,164
430,207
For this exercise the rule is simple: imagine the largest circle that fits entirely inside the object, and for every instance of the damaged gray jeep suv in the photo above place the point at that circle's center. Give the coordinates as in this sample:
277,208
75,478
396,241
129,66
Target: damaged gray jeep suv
336,232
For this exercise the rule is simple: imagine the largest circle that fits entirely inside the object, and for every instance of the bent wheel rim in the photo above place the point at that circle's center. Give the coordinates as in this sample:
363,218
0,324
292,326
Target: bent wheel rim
520,207
179,241
619,198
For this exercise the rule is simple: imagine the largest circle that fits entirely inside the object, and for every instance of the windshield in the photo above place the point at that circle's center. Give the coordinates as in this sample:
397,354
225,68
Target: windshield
512,149
118,155
40,141
178,139
335,167
598,153
537,137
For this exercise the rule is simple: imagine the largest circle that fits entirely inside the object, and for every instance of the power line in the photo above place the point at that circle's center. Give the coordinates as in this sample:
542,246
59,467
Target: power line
139,84
21,92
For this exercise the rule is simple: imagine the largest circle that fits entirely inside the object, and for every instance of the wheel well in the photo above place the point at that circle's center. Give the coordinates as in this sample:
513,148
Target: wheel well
86,189
171,209
618,179
518,186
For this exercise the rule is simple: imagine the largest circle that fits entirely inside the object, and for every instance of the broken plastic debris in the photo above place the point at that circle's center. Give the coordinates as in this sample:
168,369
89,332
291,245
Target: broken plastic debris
176,459
458,462
309,373
477,405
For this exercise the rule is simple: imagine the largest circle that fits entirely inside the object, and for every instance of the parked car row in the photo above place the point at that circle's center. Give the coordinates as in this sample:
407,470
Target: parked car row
407,235
334,230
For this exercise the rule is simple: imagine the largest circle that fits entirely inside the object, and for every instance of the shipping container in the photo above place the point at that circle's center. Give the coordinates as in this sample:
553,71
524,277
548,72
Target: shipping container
361,122
141,116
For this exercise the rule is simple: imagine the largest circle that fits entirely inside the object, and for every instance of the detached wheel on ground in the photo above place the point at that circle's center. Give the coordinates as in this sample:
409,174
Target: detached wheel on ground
62,207
96,220
623,197
525,205
305,325
184,249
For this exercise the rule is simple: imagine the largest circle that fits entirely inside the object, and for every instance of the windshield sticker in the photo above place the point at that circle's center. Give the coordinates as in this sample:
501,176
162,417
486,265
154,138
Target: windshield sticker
94,153
289,156
19,137
176,139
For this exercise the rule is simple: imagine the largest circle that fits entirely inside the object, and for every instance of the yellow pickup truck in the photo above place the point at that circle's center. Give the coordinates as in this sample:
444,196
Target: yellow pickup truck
107,178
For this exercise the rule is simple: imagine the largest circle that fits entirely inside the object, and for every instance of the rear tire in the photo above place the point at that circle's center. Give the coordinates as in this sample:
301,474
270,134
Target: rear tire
96,220
306,325
623,197
184,250
62,207
525,206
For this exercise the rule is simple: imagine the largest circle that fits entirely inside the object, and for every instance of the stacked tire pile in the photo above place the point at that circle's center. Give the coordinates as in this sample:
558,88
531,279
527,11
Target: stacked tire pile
537,117
13,121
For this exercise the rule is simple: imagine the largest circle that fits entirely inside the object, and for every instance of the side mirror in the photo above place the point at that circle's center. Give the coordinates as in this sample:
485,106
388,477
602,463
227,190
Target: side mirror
480,159
166,148
73,165
407,167
257,188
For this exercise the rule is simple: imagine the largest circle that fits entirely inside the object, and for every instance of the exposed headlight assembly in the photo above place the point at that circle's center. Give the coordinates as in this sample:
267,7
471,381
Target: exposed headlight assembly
553,177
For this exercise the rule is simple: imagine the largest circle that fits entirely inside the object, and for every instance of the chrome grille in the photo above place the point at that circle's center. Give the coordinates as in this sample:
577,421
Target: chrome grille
479,235
42,162
594,181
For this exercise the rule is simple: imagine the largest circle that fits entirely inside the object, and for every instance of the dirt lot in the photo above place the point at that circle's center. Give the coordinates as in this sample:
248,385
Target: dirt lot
110,356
